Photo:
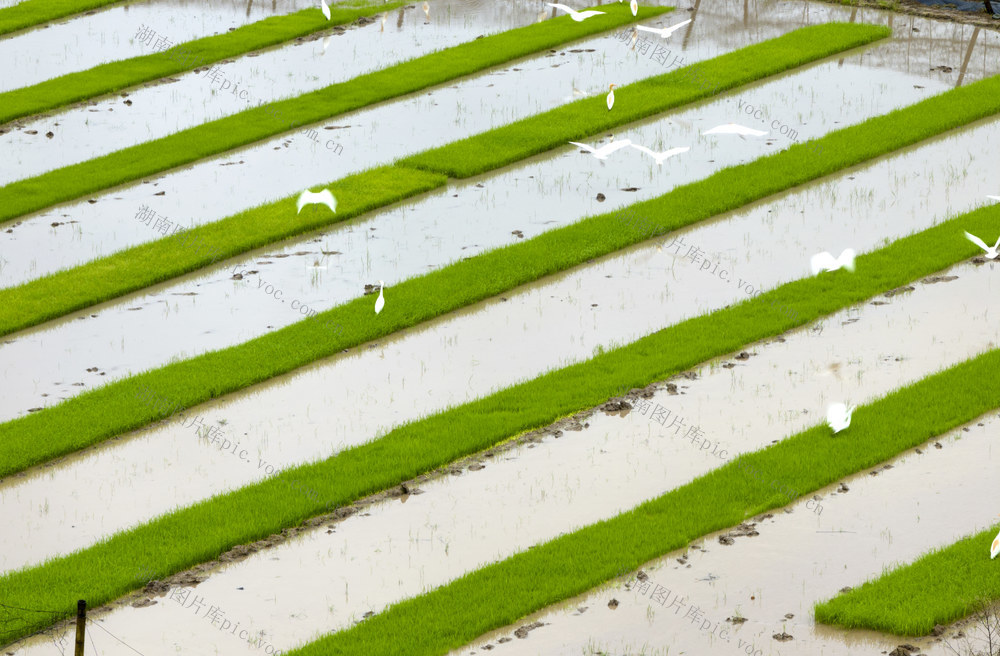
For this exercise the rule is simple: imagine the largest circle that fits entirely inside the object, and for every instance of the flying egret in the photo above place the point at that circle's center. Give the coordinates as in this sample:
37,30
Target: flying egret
995,549
380,301
991,253
611,96
734,128
664,32
325,8
634,6
838,416
605,150
666,154
994,197
826,262
319,198
578,16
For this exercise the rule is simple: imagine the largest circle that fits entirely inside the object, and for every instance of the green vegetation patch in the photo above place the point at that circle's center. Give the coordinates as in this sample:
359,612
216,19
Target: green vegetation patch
939,588
639,100
110,568
119,75
54,295
29,13
266,121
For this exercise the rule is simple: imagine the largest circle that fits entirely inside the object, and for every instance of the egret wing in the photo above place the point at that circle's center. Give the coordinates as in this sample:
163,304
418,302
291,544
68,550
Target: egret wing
977,241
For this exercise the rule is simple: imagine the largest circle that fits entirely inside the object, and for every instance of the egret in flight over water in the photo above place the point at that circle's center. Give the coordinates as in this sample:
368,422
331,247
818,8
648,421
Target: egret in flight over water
734,128
578,16
838,416
991,253
319,198
826,262
666,154
605,150
664,32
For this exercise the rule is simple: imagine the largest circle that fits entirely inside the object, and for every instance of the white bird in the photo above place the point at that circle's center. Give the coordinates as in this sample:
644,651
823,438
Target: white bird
319,198
995,549
380,301
605,150
385,17
611,96
427,11
734,128
826,262
326,42
994,197
634,6
991,253
664,32
325,8
666,154
838,416
578,16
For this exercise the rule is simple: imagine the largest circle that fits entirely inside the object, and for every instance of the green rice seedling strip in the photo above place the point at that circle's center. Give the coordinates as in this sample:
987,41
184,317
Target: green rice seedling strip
35,12
110,569
269,120
128,270
109,411
501,593
120,75
939,588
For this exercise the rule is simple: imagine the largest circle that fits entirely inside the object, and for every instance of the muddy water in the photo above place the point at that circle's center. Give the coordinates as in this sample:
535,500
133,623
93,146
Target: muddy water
926,501
211,311
478,103
327,579
493,345
77,43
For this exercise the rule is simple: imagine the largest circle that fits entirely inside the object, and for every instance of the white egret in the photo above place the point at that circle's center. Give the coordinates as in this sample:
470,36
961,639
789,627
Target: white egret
991,253
826,262
578,16
319,198
664,32
427,11
666,154
634,6
994,197
611,96
325,8
380,301
605,150
838,416
995,549
734,128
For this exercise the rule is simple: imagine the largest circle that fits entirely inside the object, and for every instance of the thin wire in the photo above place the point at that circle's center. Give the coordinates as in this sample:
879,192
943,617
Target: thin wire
115,637
91,634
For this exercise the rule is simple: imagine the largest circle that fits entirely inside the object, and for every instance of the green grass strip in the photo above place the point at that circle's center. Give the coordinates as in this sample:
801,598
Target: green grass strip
57,294
119,75
35,12
110,569
501,593
111,410
939,588
268,120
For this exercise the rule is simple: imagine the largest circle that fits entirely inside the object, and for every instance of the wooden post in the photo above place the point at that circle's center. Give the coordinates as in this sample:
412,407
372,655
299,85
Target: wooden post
81,621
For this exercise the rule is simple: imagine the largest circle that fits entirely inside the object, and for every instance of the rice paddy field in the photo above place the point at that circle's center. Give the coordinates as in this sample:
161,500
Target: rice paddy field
492,326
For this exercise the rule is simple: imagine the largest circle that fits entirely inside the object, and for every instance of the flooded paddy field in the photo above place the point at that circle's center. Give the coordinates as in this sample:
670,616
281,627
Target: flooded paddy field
402,553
